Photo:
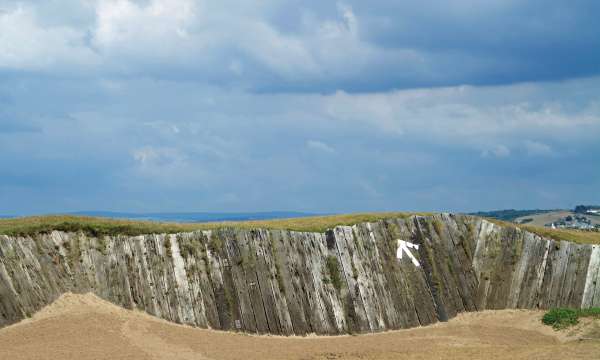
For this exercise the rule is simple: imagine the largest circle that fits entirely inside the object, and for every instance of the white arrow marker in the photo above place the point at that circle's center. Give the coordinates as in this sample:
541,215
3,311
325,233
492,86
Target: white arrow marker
404,246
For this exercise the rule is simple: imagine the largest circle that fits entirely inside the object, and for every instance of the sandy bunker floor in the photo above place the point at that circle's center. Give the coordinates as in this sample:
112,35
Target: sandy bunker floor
86,327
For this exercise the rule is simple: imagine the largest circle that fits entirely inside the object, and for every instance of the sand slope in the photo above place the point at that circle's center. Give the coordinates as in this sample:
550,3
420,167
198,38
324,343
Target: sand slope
86,327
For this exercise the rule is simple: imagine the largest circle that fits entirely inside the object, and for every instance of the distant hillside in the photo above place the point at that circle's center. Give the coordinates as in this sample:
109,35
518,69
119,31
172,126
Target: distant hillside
583,209
510,214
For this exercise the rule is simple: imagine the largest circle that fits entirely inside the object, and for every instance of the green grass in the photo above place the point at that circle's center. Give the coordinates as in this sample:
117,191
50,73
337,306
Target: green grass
578,236
562,318
104,226
333,270
96,226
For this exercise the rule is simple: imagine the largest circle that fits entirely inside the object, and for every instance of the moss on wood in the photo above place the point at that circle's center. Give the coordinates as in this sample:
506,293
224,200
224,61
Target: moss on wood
438,226
333,272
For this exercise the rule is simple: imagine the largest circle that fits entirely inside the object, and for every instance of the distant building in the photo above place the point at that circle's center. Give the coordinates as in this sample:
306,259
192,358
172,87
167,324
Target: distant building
576,221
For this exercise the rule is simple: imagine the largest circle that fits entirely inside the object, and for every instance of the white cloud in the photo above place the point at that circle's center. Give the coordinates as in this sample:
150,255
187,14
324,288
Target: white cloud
285,55
377,109
219,42
346,27
27,44
168,166
213,34
236,67
159,29
409,142
536,148
289,46
499,151
476,117
223,40
158,158
319,146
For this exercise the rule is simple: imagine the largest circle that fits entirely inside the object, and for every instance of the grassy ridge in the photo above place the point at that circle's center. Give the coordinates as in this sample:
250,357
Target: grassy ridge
578,236
105,226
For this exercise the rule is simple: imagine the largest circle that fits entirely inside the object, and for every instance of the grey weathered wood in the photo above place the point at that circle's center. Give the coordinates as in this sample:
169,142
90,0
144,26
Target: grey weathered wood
591,294
275,281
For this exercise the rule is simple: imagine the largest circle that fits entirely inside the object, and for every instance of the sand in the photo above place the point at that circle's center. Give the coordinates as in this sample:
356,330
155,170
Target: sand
86,327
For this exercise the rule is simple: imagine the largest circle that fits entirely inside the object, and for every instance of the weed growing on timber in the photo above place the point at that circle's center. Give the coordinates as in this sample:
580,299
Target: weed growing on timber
75,251
215,243
438,227
393,230
204,257
278,275
168,247
350,315
11,254
187,246
471,229
101,245
229,300
248,261
333,270
354,270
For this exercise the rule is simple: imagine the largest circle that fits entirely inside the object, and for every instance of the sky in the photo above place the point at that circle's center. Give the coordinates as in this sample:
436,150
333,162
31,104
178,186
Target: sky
315,106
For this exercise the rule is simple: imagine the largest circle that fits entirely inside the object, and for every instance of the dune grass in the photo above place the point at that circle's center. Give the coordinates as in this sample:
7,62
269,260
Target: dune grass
105,226
561,318
95,226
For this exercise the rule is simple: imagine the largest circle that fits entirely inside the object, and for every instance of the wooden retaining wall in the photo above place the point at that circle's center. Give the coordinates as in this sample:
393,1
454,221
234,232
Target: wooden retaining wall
347,280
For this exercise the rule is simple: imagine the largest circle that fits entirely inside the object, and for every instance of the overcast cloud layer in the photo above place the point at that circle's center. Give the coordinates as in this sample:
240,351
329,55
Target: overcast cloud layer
184,105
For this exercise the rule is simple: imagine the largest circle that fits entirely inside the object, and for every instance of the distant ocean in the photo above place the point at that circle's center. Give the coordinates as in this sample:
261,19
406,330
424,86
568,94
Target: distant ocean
193,217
